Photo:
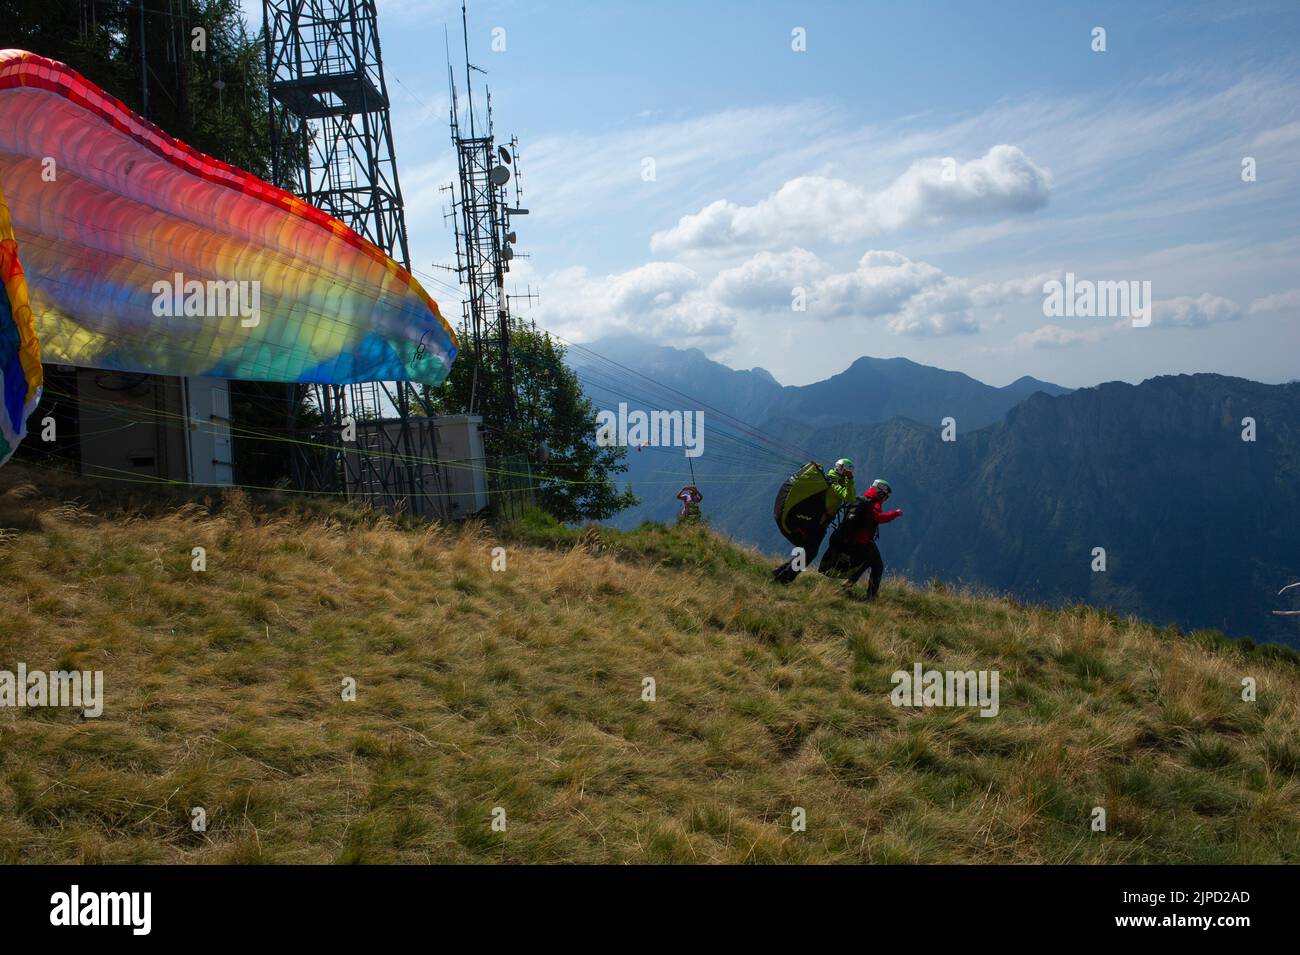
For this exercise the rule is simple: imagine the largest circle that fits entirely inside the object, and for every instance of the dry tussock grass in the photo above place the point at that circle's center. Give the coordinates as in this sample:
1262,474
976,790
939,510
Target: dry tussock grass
523,689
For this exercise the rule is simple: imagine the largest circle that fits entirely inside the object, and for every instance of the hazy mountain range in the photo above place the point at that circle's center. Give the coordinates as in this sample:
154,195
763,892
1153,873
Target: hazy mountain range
1199,526
871,389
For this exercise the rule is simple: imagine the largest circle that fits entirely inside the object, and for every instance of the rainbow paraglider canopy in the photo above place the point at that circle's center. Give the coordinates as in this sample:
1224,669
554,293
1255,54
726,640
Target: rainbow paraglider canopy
20,352
144,255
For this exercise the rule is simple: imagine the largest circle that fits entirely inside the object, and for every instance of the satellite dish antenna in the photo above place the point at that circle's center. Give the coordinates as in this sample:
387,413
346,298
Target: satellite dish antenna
508,253
512,238
499,175
504,154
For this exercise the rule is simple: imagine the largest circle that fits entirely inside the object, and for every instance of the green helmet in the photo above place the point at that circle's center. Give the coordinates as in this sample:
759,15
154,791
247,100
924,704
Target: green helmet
844,464
881,485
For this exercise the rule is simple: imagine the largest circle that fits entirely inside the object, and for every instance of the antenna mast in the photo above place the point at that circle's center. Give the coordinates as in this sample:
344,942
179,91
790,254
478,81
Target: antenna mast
483,207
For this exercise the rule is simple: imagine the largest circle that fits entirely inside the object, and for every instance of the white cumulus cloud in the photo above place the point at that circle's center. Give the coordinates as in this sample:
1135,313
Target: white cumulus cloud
917,298
1282,301
664,300
1198,312
1058,336
1002,181
767,280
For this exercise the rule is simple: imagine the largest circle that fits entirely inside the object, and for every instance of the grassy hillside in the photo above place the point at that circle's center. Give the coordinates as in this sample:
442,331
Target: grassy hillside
521,689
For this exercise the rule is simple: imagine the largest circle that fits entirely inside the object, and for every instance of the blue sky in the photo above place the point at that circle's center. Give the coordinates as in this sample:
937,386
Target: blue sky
919,171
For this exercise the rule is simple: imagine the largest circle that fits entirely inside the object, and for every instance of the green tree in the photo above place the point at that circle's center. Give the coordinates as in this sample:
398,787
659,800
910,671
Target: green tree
556,426
227,94
214,98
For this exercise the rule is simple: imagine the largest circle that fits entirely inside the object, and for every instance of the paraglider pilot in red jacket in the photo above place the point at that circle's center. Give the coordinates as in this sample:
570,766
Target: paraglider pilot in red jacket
853,547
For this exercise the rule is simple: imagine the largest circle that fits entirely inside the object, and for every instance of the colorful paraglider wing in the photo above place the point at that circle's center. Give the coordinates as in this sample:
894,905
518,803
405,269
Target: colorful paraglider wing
145,255
20,351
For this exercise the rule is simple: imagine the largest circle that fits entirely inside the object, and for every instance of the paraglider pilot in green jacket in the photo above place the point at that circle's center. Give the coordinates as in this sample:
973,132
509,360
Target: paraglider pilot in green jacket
840,493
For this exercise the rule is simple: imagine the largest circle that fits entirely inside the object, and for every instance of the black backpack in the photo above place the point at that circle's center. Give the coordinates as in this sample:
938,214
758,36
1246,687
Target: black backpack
857,516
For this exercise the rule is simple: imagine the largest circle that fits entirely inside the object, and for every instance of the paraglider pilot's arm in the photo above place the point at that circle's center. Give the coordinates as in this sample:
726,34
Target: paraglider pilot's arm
884,517
840,492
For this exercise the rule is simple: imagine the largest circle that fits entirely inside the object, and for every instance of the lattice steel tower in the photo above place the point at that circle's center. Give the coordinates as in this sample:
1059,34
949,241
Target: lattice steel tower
331,139
332,144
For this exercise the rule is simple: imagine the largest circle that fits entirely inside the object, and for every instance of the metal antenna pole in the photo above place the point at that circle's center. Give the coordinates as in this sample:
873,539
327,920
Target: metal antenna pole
469,87
485,239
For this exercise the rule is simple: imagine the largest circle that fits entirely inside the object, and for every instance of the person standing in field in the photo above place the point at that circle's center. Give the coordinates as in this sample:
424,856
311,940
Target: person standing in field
853,549
690,497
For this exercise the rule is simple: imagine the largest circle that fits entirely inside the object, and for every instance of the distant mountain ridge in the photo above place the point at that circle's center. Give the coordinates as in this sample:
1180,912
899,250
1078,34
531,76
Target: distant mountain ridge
1199,527
877,389
869,390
